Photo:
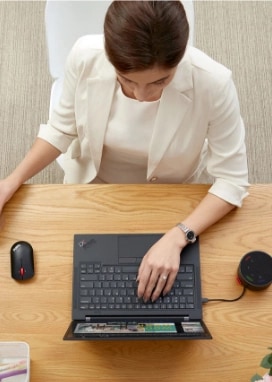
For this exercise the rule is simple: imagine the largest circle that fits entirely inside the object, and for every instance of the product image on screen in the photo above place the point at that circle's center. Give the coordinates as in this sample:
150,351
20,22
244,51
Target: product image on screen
192,327
124,327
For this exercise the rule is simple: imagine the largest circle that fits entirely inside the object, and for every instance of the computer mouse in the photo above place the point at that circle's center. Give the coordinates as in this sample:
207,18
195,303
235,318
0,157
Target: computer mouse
22,261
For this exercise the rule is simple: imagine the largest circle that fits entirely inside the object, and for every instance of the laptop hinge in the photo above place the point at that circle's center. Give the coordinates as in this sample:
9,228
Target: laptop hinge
179,318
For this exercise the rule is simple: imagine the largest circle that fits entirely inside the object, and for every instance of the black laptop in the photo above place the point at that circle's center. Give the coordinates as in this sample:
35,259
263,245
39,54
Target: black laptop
105,303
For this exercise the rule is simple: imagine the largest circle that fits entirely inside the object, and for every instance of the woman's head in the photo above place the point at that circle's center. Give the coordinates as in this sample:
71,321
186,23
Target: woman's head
140,35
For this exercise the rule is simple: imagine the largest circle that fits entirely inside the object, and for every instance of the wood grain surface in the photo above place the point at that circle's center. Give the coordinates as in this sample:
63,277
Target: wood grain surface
38,311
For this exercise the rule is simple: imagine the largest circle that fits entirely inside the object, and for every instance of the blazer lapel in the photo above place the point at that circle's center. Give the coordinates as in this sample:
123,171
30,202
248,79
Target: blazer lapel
100,95
173,106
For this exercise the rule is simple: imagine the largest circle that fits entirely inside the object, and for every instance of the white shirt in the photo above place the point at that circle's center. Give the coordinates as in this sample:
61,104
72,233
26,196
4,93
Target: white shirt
127,140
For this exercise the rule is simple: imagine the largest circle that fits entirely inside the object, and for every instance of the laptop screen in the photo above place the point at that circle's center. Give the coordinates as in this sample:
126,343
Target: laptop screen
137,330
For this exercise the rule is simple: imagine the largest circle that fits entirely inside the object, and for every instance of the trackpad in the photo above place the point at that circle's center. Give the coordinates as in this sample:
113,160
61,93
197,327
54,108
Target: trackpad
132,248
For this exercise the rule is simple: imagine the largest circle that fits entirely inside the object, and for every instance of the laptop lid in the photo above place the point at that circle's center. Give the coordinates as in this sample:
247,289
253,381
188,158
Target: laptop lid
105,303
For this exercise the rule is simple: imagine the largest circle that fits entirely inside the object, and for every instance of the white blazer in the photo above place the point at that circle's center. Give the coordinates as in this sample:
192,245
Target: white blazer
198,125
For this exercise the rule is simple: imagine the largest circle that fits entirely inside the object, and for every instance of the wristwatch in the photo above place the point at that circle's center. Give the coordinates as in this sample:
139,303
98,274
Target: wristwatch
189,234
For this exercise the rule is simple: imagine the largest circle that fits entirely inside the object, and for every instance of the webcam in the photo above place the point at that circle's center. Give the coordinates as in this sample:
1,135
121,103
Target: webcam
255,270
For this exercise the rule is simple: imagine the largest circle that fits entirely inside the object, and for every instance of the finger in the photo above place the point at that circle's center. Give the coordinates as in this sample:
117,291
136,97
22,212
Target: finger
170,282
161,283
141,267
143,280
151,285
144,269
164,288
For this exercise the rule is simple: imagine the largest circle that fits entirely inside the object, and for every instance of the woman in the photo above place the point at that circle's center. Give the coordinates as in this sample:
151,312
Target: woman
147,109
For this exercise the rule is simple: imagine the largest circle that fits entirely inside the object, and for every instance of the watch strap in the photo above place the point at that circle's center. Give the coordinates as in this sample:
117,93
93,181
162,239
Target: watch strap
189,233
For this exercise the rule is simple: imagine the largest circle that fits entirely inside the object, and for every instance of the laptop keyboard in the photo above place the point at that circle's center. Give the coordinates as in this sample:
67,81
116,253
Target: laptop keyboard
110,287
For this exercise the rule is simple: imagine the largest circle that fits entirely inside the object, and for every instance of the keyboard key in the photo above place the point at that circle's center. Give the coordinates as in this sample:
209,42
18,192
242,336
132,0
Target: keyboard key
89,277
87,284
130,269
188,292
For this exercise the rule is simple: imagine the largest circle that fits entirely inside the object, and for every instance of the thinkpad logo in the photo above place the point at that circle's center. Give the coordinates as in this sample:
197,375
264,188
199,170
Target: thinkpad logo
86,244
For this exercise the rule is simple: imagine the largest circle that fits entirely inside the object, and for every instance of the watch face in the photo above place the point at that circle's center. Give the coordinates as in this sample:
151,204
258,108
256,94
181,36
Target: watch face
190,235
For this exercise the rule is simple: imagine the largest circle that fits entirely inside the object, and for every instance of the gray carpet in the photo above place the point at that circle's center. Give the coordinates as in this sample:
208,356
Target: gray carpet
236,33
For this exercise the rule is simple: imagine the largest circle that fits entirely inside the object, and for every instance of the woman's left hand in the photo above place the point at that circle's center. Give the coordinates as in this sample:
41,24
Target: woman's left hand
160,266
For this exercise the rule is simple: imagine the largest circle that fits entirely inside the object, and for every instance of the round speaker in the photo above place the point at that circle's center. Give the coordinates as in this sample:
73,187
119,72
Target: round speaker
255,270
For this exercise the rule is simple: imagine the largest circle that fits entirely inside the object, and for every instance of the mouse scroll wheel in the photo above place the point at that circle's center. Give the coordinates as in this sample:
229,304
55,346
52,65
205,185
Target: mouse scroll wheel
22,271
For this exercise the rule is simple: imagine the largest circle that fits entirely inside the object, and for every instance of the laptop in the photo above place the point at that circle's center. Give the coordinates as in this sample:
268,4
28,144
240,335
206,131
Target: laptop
104,292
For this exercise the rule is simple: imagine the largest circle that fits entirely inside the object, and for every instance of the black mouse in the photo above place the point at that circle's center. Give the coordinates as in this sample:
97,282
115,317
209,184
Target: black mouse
22,261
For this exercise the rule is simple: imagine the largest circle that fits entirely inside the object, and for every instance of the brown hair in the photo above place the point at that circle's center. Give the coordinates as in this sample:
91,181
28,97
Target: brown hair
142,34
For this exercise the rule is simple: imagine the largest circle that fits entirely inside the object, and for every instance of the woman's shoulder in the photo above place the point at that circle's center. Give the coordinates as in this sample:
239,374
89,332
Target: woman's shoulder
202,71
202,62
92,41
88,47
199,72
88,56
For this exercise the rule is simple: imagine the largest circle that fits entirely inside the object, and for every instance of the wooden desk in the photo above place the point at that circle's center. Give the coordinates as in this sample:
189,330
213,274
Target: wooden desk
39,311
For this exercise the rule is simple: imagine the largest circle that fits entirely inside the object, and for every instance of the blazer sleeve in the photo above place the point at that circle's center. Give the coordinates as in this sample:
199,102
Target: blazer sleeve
227,160
61,129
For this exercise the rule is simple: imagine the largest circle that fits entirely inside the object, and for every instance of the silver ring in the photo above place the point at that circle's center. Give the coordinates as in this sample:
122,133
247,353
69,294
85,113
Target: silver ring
164,277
